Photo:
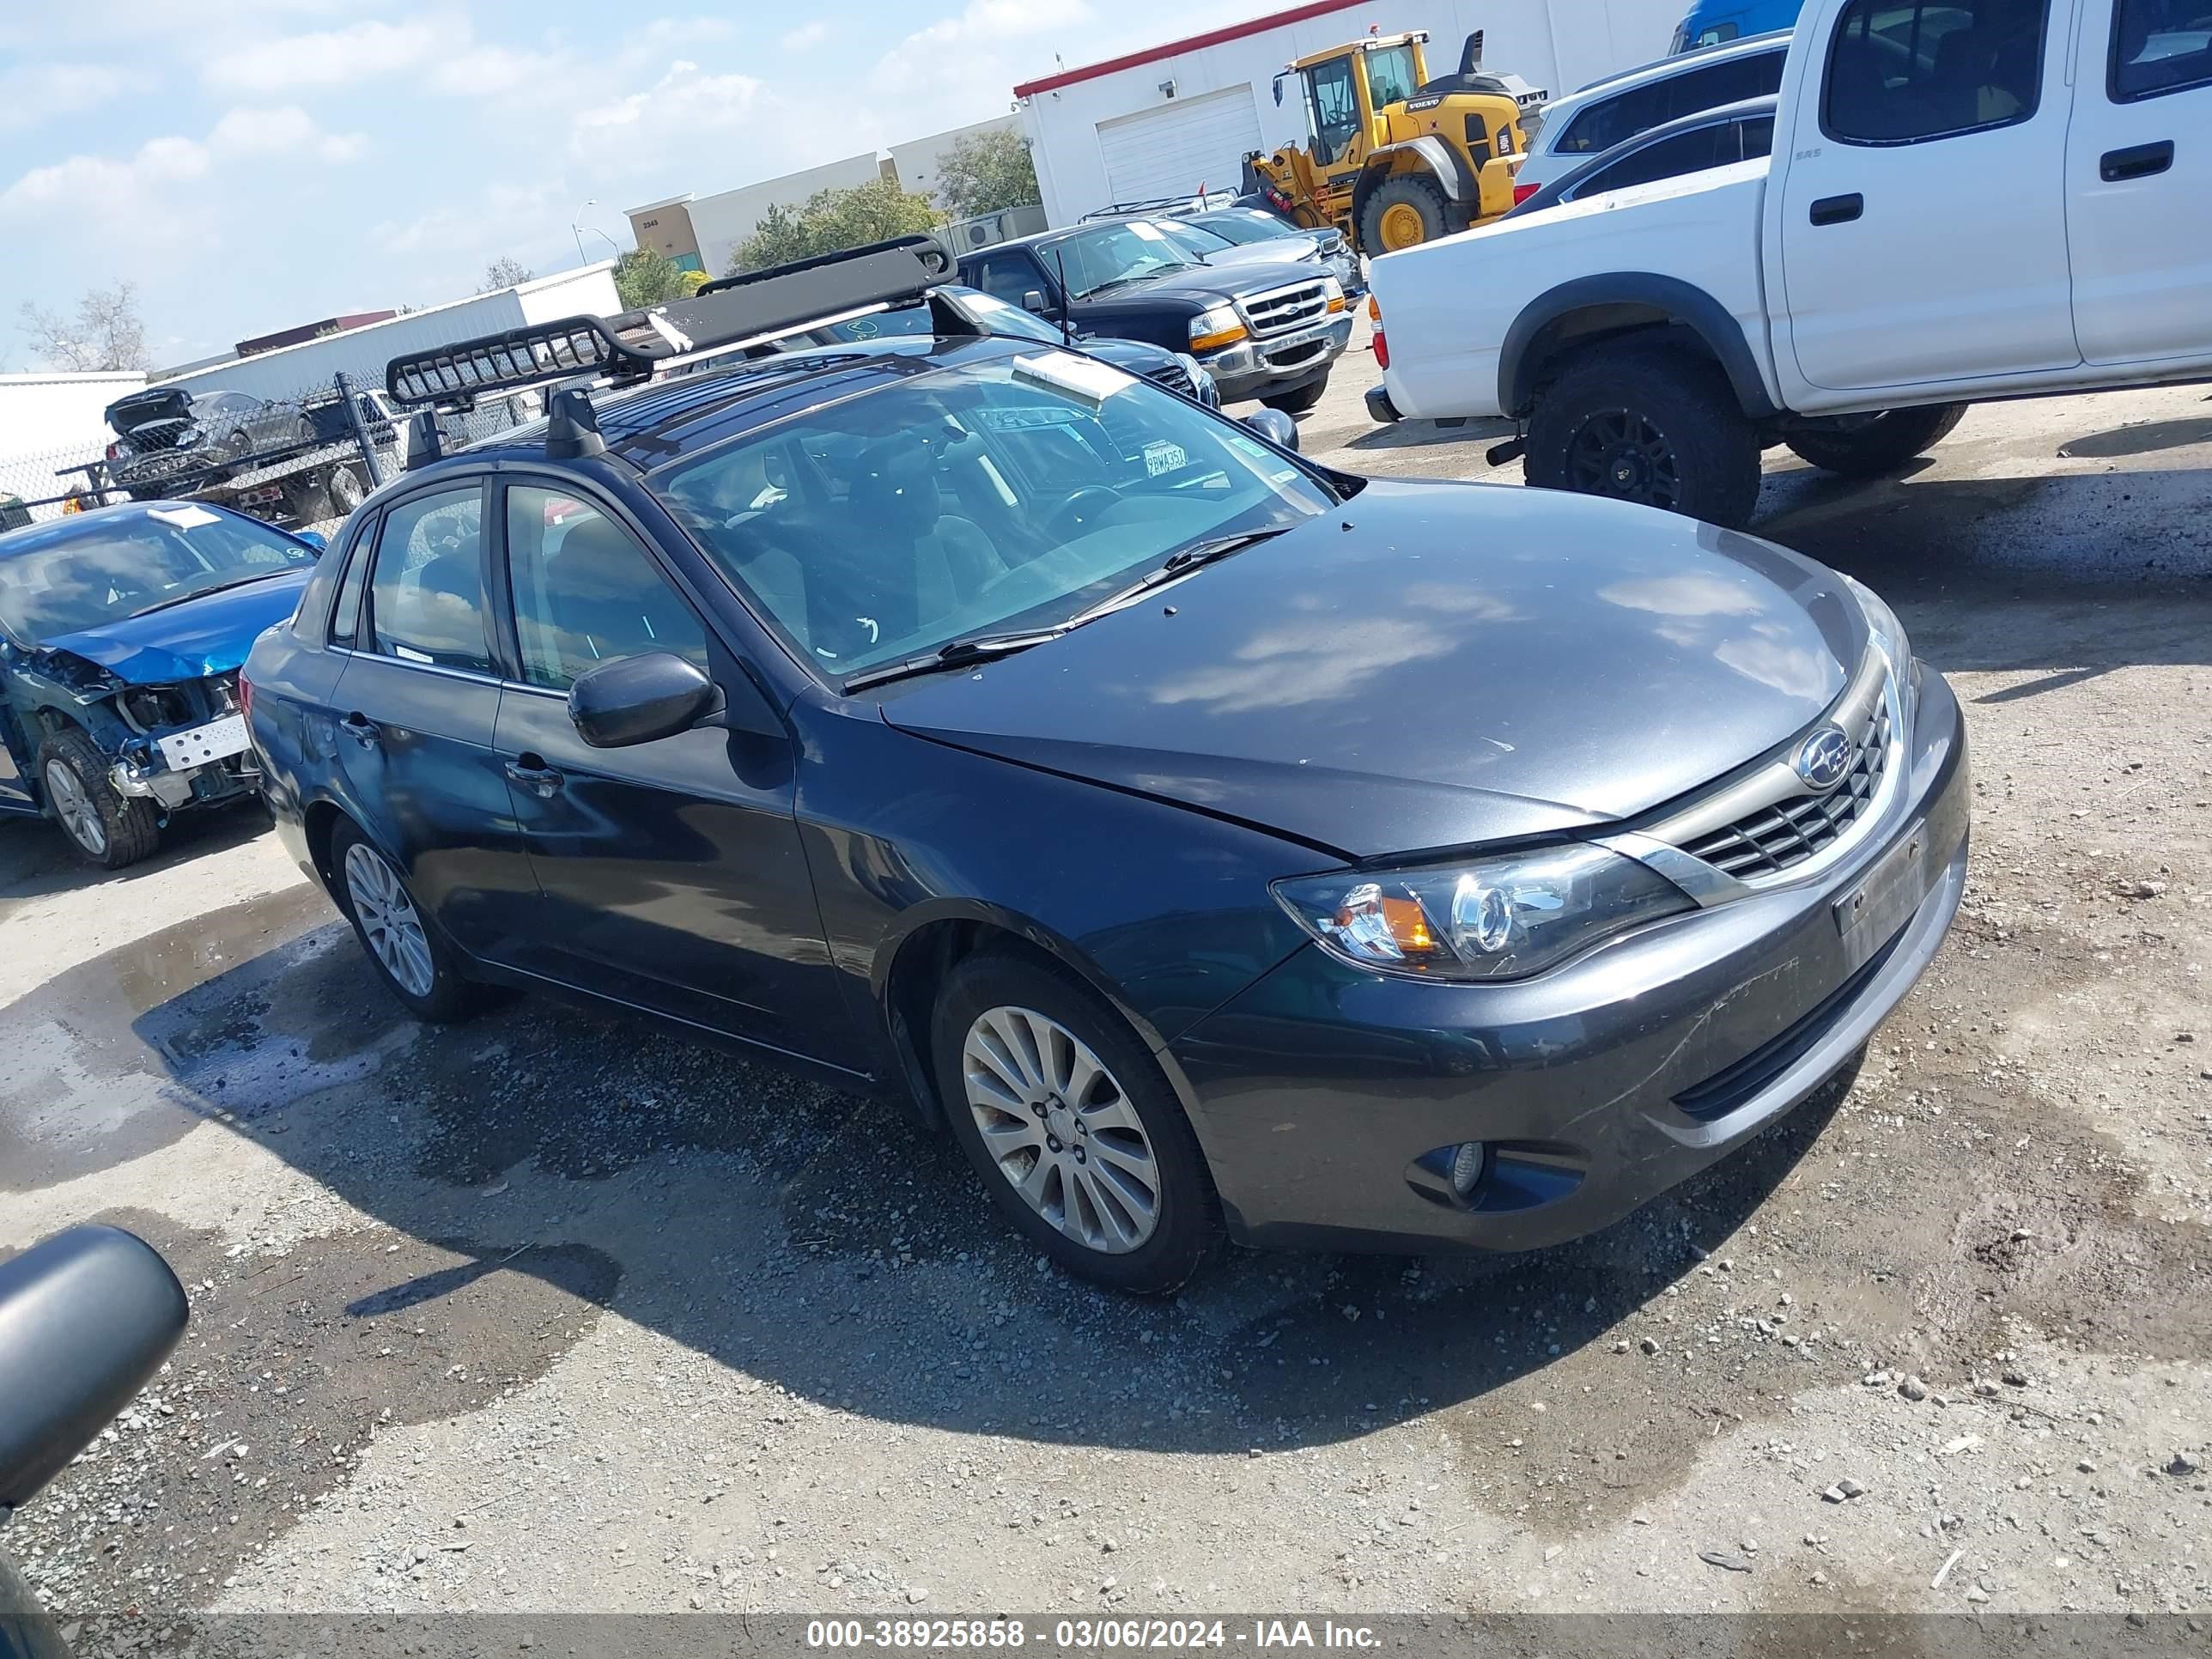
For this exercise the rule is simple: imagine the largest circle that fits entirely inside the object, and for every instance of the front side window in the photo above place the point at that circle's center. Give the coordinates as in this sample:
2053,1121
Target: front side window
1007,276
127,567
1899,74
585,592
1336,107
972,499
2159,45
426,592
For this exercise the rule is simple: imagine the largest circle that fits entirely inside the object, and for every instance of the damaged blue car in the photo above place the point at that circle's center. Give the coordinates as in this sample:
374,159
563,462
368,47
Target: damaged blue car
121,635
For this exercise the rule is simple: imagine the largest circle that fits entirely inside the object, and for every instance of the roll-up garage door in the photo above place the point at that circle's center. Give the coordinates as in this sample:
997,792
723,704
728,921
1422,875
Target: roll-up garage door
1179,146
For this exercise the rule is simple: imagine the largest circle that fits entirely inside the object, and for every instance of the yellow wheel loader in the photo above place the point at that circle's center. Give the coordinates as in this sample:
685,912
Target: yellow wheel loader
1391,157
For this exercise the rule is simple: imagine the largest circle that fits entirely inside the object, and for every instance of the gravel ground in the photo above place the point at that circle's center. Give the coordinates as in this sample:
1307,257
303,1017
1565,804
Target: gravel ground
553,1312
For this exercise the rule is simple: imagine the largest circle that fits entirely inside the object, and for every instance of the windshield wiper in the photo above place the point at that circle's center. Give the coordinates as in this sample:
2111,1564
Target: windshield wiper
956,654
201,593
1133,276
1178,565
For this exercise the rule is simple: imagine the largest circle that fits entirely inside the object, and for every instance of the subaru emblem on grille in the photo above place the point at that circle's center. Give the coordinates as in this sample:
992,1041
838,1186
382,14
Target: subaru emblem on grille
1824,759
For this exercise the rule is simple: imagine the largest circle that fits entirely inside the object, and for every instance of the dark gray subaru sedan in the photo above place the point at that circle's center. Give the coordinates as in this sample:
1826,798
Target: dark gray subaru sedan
1199,837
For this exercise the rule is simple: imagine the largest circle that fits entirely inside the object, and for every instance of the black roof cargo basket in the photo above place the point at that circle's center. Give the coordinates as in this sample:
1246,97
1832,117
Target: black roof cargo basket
726,315
1165,207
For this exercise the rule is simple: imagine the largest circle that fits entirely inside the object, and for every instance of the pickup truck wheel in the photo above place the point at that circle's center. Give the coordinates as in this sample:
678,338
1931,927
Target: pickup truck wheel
1868,446
108,830
1298,402
1403,212
345,491
1649,424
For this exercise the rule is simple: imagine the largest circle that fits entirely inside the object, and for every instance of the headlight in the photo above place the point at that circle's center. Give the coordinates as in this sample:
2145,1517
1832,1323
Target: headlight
1215,326
1889,638
1332,291
1495,918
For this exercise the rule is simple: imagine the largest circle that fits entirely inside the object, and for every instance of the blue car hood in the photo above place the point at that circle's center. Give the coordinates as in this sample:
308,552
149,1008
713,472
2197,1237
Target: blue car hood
210,634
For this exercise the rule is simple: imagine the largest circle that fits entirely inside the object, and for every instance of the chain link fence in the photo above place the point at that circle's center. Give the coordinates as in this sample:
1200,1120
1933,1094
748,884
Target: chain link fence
303,463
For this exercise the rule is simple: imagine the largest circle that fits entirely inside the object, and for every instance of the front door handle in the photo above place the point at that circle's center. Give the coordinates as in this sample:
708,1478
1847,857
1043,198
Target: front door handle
359,728
1838,210
2136,161
531,773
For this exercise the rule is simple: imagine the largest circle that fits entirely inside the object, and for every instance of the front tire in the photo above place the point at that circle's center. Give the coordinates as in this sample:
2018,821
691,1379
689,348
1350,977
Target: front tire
1869,446
1069,1120
107,830
410,955
1402,212
1650,424
1299,402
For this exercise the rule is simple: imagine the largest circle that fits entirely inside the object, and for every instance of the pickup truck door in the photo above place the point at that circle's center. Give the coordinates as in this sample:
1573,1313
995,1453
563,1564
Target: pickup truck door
2139,181
1920,237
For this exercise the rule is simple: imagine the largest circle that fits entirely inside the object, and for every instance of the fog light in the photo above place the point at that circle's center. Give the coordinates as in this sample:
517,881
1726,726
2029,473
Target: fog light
1467,1164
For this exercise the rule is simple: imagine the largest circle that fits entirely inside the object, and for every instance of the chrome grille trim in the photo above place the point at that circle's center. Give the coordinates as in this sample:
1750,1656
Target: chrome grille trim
1279,310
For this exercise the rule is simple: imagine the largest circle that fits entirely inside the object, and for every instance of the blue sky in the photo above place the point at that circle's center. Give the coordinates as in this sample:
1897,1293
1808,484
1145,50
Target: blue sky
253,164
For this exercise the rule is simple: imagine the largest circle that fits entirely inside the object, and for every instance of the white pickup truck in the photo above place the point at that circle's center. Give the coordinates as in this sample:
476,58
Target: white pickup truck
1966,199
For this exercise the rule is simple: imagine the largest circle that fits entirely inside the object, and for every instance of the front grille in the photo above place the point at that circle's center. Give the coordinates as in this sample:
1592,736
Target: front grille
1172,375
1785,834
1280,310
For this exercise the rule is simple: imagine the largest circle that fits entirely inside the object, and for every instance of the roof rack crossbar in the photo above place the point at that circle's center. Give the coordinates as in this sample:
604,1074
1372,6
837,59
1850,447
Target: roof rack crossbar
631,344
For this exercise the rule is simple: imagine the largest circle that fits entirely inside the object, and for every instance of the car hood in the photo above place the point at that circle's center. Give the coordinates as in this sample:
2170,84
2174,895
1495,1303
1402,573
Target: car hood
210,634
1429,665
1263,253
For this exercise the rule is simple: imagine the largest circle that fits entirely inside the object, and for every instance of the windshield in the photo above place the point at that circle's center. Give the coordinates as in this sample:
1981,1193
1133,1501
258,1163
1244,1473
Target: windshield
975,500
1390,78
1117,252
118,568
1247,225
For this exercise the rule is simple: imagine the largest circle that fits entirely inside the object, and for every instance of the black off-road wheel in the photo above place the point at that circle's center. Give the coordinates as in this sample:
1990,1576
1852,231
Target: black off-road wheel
1652,424
106,828
1066,1115
1299,402
1403,212
1868,446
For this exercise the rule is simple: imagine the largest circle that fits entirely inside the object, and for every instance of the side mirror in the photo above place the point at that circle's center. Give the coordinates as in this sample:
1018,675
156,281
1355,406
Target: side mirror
1034,300
636,700
86,1318
1277,428
314,539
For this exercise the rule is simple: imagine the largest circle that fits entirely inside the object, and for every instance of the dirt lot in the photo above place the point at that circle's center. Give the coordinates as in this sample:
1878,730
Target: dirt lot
551,1311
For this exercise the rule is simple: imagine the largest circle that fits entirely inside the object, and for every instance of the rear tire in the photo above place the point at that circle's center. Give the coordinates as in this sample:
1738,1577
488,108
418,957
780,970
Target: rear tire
1298,402
1879,443
1652,424
106,828
1402,212
344,490
404,945
1079,1117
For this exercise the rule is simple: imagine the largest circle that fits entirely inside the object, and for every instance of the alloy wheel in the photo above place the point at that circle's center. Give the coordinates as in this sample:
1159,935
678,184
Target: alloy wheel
389,921
1061,1130
73,804
1617,452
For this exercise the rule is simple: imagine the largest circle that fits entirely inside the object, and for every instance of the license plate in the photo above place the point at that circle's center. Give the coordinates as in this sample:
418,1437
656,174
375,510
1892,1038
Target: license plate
217,740
1869,916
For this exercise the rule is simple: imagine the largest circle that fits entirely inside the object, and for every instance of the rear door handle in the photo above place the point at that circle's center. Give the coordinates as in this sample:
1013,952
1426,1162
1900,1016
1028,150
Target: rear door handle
2137,161
1838,210
362,729
531,773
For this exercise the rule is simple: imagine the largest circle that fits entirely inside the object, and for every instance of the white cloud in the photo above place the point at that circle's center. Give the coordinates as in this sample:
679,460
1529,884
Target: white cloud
806,35
141,188
289,130
685,101
32,94
334,57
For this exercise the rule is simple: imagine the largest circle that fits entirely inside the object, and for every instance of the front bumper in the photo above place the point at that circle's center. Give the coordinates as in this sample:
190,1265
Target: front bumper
1598,1085
1267,368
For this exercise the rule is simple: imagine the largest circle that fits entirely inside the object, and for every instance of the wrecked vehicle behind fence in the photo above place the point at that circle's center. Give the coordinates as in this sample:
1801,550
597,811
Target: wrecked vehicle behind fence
121,635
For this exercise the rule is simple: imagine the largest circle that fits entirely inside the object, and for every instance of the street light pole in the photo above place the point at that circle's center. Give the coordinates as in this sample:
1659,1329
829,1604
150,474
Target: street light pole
576,227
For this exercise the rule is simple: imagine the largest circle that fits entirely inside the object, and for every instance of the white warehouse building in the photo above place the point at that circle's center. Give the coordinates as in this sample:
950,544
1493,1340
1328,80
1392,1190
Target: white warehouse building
1181,116
290,371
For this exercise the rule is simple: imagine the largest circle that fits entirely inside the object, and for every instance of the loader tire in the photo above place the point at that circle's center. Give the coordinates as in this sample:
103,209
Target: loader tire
1402,212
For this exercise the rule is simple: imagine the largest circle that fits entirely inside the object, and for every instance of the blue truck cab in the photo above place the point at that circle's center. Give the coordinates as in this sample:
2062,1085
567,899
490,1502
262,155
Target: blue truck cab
1710,22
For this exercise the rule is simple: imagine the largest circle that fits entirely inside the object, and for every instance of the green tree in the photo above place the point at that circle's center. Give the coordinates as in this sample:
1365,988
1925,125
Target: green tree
832,220
984,172
644,277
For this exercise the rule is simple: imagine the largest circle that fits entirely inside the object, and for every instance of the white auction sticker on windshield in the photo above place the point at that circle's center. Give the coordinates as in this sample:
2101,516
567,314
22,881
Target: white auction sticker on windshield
1150,233
185,518
1082,377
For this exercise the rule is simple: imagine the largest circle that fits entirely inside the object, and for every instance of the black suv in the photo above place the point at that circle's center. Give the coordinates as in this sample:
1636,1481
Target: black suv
1263,330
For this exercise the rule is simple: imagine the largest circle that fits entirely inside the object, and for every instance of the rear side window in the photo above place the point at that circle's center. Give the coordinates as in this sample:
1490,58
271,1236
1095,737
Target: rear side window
2159,46
585,592
1900,74
426,597
1615,120
1669,158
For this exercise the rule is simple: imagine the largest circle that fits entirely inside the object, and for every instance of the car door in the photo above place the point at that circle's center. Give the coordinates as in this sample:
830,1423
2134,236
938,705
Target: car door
670,871
1919,238
2139,182
418,701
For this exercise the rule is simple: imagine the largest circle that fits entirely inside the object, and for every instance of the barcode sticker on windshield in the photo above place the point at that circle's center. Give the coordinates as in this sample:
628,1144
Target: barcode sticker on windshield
185,518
